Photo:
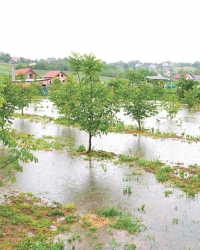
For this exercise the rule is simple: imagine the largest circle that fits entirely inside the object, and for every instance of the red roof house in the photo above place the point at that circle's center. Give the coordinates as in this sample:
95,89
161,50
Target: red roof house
55,74
15,59
187,77
177,77
27,72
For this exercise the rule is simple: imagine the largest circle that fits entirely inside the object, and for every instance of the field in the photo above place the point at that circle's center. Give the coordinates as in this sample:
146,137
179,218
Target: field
188,68
5,68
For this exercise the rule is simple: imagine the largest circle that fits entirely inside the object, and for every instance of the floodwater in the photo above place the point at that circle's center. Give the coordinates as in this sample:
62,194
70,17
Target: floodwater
172,222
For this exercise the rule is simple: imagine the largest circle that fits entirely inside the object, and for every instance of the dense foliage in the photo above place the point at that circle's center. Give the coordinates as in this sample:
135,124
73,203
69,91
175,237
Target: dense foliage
4,57
17,146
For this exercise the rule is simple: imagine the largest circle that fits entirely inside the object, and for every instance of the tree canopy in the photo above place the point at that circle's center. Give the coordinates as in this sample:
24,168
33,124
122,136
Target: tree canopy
85,100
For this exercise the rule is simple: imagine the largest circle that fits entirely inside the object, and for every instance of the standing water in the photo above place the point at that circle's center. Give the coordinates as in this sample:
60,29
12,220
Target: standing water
171,222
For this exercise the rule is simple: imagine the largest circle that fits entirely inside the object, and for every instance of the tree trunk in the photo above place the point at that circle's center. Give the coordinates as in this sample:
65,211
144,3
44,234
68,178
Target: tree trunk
22,111
139,124
90,143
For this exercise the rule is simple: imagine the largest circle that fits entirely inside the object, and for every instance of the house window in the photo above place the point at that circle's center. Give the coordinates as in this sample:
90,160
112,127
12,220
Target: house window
58,75
31,76
61,75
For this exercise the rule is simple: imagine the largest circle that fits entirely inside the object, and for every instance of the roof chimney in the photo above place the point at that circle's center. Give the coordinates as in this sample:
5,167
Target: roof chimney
13,71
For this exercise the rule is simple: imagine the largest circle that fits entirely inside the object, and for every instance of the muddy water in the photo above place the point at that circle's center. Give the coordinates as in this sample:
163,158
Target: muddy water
94,184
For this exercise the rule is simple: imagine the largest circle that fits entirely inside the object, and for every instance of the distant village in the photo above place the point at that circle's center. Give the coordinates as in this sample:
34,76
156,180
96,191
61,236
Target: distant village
58,67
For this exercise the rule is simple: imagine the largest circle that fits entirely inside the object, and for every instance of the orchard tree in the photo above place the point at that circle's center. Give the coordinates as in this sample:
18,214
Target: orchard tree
135,77
191,97
17,144
26,93
184,85
158,89
85,100
138,104
171,105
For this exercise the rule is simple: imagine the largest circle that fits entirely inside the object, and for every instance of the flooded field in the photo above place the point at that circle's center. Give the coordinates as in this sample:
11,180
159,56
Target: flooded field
172,222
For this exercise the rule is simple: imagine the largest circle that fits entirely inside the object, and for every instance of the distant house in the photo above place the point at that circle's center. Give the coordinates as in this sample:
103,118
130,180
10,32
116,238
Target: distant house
138,65
177,77
32,64
152,66
169,72
51,75
50,59
165,64
196,78
15,59
187,76
27,72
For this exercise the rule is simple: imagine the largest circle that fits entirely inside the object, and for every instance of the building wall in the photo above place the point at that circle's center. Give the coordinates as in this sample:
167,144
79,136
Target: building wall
30,75
61,76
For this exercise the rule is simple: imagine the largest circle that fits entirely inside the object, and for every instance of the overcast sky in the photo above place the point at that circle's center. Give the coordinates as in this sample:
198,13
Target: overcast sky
113,30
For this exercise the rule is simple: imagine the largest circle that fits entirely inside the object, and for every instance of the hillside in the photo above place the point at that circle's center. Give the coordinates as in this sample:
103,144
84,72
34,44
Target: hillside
5,68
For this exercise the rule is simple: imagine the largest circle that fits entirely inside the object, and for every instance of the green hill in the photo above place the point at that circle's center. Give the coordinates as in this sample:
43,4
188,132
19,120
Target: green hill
184,68
5,69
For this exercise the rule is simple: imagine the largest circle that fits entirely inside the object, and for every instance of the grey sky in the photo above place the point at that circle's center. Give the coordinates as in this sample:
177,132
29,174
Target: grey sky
114,30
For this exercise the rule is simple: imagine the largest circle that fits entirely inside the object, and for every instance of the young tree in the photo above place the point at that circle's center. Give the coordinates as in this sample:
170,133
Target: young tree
17,144
25,93
135,77
85,100
184,85
139,105
191,97
171,105
158,89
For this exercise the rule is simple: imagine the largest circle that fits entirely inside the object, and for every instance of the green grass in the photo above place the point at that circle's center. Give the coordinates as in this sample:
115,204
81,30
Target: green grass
108,212
188,68
5,68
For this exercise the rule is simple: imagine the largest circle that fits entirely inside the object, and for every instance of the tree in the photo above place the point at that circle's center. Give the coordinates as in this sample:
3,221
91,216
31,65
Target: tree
135,77
85,100
139,105
25,93
17,144
171,105
5,57
184,85
145,72
191,97
158,89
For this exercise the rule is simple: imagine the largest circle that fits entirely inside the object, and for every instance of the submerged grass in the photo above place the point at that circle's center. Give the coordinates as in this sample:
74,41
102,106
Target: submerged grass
118,128
27,222
185,178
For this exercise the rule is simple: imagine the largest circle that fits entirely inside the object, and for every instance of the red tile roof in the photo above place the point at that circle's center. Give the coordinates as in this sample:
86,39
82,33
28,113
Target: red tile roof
24,71
53,73
15,58
177,76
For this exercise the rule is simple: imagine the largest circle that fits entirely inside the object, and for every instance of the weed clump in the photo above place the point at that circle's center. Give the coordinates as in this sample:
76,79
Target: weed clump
109,212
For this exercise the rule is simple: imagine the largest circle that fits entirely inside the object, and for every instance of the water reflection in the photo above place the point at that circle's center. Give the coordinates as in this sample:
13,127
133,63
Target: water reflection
93,184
